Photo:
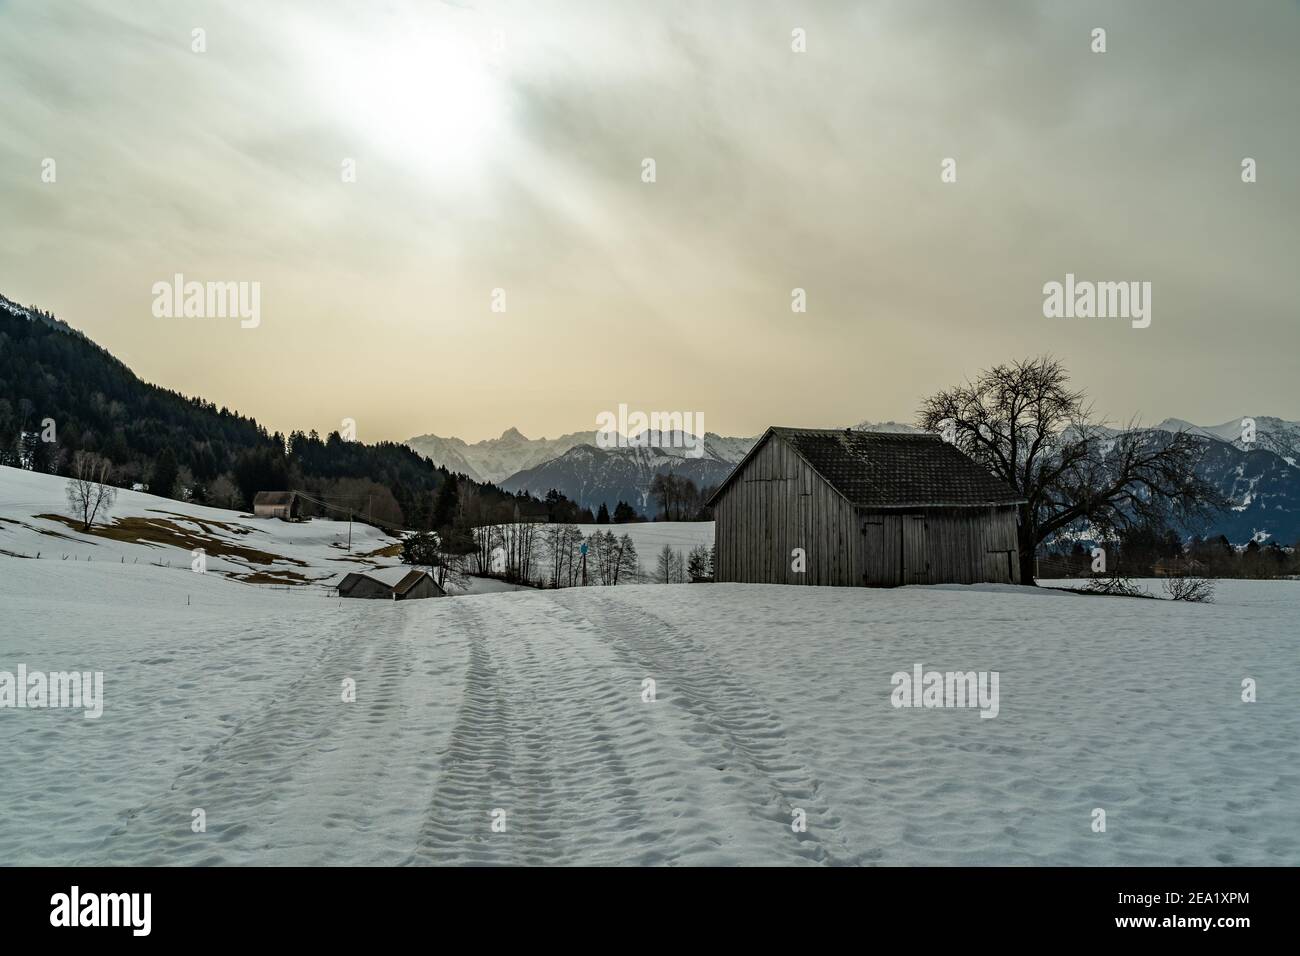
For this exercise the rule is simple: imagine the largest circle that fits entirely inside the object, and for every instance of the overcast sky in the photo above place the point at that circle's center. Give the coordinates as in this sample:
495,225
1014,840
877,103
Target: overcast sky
501,146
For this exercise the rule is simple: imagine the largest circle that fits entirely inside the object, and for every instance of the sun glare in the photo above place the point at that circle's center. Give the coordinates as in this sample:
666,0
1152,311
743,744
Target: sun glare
425,97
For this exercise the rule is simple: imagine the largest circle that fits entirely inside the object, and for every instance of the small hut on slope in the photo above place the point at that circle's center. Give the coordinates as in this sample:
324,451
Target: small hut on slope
395,584
276,504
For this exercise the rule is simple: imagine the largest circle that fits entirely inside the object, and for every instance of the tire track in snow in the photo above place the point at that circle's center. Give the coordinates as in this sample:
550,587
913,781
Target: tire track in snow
245,774
734,721
531,738
580,793
477,772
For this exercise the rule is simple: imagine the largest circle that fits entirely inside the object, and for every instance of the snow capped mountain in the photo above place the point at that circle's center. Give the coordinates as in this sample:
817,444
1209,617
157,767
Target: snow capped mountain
498,459
727,449
1270,434
896,428
495,459
1260,478
1261,485
593,476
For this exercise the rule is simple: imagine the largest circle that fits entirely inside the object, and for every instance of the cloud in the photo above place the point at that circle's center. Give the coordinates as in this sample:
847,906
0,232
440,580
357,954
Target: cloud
517,165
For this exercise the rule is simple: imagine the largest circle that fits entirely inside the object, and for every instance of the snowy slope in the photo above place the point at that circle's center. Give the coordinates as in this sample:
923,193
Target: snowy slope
146,529
768,699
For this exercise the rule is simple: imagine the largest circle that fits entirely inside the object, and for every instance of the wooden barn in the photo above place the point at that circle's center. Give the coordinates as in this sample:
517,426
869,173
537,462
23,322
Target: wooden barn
395,584
276,504
869,508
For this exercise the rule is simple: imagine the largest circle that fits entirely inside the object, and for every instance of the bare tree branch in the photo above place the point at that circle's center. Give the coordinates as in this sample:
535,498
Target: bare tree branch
1025,424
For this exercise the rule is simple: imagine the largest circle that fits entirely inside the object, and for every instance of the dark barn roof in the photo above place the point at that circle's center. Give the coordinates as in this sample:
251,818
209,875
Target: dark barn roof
399,579
891,469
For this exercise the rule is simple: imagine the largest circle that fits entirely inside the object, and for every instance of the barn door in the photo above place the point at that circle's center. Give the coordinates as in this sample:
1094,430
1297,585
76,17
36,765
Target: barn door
916,551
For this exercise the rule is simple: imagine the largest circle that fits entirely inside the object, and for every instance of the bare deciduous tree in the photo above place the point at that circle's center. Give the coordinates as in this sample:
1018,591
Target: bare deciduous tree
1024,424
559,548
89,493
614,560
678,497
1114,585
1188,587
664,565
222,493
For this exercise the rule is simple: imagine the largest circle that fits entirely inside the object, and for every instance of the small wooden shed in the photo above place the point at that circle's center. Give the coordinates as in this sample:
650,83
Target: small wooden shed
867,508
276,504
395,584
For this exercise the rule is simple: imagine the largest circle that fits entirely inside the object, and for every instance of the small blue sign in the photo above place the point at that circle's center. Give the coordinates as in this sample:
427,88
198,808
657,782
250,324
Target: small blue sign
583,549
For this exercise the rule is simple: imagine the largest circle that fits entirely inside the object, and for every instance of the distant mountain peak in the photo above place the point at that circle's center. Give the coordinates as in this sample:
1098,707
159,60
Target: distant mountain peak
892,427
495,458
1181,425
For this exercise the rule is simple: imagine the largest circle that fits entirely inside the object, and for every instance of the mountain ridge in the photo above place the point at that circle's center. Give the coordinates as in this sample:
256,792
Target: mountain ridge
1259,477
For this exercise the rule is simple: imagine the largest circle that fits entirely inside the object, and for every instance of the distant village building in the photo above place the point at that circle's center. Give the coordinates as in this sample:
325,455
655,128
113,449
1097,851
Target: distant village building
1177,567
852,508
395,584
276,504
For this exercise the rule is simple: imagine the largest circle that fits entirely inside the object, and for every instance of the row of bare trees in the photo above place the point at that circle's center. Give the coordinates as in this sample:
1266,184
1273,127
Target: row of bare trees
613,560
678,497
553,555
562,545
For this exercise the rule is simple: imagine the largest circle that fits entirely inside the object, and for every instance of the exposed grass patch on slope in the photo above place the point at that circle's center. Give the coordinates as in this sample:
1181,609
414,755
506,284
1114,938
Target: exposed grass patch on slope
164,533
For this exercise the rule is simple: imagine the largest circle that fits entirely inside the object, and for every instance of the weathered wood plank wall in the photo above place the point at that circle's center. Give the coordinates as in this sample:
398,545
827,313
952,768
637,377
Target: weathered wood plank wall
777,505
780,503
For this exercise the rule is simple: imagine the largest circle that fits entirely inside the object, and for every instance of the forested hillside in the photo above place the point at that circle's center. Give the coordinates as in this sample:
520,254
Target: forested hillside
60,393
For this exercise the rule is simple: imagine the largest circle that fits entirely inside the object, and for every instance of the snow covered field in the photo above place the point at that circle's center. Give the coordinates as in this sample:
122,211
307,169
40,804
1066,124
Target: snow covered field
146,529
226,698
